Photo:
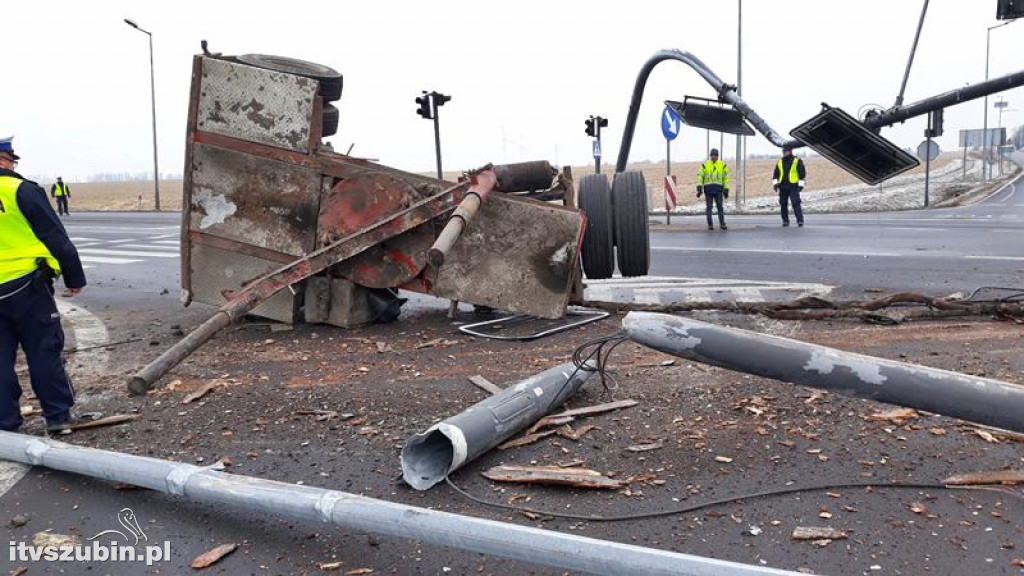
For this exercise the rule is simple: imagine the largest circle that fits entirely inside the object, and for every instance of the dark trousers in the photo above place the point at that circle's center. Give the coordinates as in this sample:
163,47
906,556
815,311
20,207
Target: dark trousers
29,318
715,196
62,204
787,195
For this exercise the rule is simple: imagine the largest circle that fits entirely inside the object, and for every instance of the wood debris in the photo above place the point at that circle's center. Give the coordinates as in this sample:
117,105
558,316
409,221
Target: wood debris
108,421
201,392
19,571
898,417
986,436
330,566
1004,477
597,409
528,439
212,556
321,415
570,434
645,447
435,343
548,422
485,385
817,533
723,459
359,572
918,508
44,539
552,475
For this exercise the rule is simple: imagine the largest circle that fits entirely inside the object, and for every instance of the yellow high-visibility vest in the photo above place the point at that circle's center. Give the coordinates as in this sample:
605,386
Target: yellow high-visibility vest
713,173
59,189
19,246
794,176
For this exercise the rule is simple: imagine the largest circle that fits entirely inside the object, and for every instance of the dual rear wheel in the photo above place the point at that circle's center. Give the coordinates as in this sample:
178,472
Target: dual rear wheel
618,229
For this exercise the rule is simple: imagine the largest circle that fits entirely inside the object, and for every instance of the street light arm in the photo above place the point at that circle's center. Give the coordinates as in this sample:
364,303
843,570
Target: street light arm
726,93
132,23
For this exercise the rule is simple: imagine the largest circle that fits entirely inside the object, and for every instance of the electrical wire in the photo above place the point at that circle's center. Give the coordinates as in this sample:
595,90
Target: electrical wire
703,505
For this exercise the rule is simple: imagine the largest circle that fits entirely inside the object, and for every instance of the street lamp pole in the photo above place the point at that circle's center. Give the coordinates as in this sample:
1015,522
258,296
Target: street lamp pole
740,187
152,92
986,144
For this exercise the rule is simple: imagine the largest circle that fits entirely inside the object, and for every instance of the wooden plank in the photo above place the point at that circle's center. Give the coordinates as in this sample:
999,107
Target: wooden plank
552,475
485,384
1004,477
108,421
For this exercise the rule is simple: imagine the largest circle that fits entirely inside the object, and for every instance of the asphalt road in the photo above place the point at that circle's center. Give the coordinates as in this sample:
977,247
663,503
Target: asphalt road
133,295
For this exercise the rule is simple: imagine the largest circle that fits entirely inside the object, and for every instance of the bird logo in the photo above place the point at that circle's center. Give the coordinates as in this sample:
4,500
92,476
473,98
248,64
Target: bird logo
127,519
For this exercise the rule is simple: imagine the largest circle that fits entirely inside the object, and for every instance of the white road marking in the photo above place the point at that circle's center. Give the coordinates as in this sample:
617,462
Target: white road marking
767,251
1013,258
130,253
102,260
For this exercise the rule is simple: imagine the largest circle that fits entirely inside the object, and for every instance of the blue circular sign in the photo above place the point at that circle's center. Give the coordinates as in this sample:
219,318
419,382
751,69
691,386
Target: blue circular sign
670,123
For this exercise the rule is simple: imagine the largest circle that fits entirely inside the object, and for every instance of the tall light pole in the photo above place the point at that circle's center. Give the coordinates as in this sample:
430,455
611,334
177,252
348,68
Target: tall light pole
152,92
740,185
985,138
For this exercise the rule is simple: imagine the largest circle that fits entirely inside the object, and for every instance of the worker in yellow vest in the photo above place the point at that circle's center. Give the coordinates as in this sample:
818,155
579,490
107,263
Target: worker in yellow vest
788,180
34,249
61,192
713,183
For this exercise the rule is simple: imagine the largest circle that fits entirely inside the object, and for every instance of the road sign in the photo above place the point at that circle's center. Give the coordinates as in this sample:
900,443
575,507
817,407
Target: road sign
670,193
928,150
597,148
670,123
976,138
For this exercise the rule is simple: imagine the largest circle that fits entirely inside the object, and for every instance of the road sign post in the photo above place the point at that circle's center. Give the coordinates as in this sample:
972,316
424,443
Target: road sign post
927,151
670,126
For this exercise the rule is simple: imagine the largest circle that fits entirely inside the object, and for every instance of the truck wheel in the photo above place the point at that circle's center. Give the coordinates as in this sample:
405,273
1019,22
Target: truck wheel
632,228
330,118
330,80
596,203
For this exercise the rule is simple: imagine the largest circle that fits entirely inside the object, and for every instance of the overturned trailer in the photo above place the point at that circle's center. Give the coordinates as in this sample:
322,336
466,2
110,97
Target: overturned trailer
278,224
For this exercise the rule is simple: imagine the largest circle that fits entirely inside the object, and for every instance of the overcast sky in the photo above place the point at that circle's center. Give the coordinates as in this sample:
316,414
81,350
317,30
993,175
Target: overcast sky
524,75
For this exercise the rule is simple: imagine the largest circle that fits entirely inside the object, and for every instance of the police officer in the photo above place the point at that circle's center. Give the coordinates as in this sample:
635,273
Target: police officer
713,183
34,249
61,192
788,181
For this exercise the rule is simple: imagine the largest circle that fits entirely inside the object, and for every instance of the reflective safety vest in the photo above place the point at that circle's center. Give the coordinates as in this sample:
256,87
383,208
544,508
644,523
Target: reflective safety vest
713,173
59,189
19,246
794,176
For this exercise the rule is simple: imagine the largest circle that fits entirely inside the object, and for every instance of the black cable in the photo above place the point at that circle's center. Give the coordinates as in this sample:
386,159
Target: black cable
695,507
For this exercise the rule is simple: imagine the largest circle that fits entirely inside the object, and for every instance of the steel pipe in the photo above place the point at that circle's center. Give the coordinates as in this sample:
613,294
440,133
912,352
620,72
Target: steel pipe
483,183
898,114
981,400
430,456
353,512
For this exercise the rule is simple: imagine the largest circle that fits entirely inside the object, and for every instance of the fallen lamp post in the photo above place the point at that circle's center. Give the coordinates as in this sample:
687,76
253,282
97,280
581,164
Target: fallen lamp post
972,398
206,485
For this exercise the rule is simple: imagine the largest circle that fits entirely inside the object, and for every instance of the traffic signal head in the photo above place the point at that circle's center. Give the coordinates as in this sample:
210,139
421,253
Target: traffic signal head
424,106
590,127
602,122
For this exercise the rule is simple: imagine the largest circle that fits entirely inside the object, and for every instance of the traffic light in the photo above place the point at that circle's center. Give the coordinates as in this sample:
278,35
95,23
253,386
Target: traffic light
934,124
424,109
590,127
602,122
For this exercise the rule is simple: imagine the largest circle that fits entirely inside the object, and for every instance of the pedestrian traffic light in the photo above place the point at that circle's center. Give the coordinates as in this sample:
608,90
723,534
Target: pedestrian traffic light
440,99
424,109
590,127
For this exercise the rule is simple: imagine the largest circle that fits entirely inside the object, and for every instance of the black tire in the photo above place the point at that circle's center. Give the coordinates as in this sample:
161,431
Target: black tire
596,203
632,228
331,118
331,81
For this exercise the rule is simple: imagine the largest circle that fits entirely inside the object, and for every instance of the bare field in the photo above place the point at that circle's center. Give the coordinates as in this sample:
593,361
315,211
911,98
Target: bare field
821,174
123,195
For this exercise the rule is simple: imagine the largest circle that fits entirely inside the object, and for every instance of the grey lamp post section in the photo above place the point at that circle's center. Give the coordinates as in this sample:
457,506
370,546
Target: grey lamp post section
152,92
985,138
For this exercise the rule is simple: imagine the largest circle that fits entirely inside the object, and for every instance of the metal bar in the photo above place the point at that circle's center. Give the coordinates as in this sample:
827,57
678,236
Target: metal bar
588,316
957,96
263,288
913,51
430,456
359,513
482,184
726,93
927,170
980,400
